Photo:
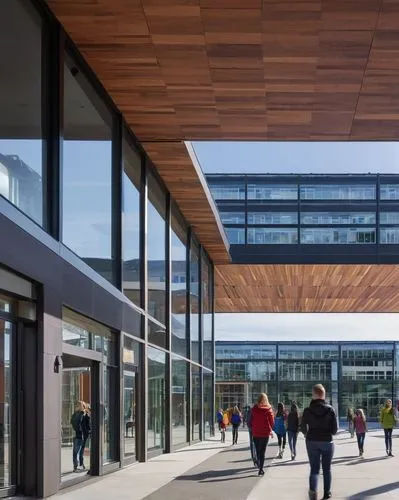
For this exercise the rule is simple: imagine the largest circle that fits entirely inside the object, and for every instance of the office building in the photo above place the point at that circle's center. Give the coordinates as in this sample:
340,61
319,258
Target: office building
301,219
106,291
355,374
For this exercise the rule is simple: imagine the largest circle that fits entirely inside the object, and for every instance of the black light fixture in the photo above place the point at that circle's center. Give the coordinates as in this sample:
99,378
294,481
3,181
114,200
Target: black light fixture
57,364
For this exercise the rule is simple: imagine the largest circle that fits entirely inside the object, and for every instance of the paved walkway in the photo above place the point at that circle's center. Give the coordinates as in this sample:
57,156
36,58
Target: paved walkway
211,471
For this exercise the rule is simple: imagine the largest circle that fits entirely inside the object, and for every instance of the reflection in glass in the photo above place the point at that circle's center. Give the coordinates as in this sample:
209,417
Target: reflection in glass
337,236
6,407
338,192
301,392
389,192
178,283
272,236
156,399
87,162
367,395
247,351
131,223
208,404
156,250
336,218
266,218
231,191
207,344
317,351
272,192
179,400
232,217
130,363
236,236
194,302
21,172
389,235
110,405
389,217
195,402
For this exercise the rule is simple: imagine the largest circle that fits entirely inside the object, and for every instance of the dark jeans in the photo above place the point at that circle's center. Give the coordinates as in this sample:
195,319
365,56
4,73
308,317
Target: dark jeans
82,450
282,439
388,439
360,440
261,445
235,433
324,451
292,439
252,445
76,451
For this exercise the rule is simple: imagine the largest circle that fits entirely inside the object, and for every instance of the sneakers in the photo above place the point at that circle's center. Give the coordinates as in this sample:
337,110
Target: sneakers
327,495
390,454
312,495
261,472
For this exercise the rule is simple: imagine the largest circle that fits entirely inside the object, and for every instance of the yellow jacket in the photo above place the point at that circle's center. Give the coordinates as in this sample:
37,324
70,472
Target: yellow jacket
387,418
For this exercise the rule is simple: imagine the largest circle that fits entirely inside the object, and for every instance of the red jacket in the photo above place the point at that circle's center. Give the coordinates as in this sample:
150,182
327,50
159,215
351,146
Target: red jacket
262,421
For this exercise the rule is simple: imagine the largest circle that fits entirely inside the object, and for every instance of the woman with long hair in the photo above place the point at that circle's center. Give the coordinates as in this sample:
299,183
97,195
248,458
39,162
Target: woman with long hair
262,420
388,421
280,428
360,426
293,424
236,418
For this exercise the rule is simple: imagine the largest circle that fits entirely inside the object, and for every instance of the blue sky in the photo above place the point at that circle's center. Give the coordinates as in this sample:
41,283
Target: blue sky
298,157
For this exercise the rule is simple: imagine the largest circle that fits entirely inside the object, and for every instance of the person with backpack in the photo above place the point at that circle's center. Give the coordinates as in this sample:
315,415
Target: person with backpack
219,417
236,418
360,426
262,421
280,428
77,426
388,422
319,424
293,423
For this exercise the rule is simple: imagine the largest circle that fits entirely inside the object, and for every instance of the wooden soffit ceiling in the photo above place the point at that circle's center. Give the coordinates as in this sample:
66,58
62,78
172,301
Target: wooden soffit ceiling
307,288
244,69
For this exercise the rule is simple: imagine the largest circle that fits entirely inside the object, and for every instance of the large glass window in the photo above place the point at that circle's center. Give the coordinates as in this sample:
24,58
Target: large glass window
389,192
110,400
156,399
389,235
208,404
87,172
272,192
230,191
367,395
338,192
389,217
236,236
131,360
232,217
245,351
317,351
21,171
296,371
194,302
335,218
266,218
272,236
340,236
179,400
178,285
207,339
156,249
195,402
7,429
131,223
232,371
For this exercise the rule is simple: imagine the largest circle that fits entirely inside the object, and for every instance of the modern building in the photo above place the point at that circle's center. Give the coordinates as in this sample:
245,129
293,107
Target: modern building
355,374
106,288
300,219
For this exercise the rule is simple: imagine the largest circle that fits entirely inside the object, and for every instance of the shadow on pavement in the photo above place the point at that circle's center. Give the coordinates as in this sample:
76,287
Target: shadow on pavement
217,475
379,490
367,460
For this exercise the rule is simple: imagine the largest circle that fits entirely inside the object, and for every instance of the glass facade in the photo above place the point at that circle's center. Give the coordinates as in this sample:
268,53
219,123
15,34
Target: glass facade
272,236
278,218
156,399
194,303
389,192
232,217
207,330
272,192
196,403
389,235
340,236
356,375
389,217
21,116
335,218
231,191
236,236
337,192
179,400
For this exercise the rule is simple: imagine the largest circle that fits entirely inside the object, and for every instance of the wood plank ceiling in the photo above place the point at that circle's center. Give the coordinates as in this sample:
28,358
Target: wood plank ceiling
244,69
307,288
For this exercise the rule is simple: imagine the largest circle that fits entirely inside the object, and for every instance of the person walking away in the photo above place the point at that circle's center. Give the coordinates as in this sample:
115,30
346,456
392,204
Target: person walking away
360,427
86,431
76,423
280,428
319,424
236,418
350,415
219,417
251,441
388,421
262,421
293,429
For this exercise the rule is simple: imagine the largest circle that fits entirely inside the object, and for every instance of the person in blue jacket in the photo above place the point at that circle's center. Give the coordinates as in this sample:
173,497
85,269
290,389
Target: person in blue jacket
236,418
219,417
280,428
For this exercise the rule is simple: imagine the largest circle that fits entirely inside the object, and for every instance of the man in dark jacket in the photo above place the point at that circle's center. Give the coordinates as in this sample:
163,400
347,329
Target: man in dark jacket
319,424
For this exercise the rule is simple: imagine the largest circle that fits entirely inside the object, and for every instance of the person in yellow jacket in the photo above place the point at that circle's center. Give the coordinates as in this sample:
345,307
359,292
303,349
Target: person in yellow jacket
388,422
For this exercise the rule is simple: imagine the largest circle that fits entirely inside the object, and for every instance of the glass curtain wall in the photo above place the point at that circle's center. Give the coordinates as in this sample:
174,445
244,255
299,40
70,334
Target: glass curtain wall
21,115
208,403
131,361
207,333
87,172
194,302
179,400
131,222
156,399
195,402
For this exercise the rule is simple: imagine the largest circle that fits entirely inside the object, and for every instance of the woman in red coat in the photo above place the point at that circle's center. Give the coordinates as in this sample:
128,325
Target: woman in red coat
262,421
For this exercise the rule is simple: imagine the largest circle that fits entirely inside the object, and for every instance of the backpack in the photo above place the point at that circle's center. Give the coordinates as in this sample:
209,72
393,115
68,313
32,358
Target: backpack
219,417
236,419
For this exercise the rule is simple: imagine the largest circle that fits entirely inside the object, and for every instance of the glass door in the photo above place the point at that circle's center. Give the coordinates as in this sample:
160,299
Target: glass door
7,432
129,416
